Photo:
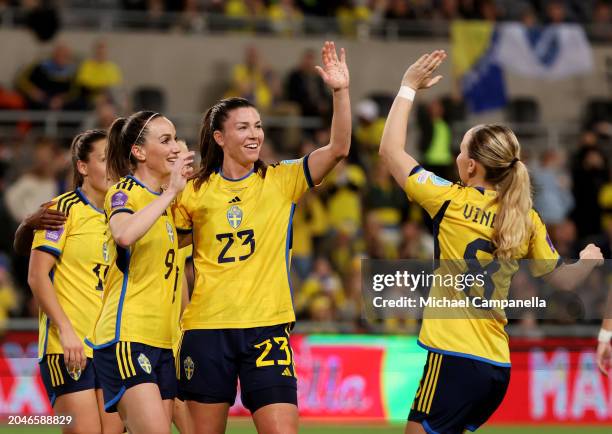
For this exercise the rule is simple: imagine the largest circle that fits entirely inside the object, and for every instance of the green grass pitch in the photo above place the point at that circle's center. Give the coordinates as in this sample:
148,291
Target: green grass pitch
246,427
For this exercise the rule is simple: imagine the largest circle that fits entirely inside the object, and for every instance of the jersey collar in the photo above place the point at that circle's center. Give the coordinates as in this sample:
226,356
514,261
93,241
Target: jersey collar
132,177
80,193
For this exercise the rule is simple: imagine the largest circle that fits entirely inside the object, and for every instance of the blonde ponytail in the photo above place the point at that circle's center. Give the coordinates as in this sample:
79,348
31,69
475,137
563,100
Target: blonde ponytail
498,150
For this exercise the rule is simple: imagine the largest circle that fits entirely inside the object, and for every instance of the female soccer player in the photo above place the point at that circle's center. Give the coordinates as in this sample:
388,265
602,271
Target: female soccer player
132,337
238,321
468,365
74,252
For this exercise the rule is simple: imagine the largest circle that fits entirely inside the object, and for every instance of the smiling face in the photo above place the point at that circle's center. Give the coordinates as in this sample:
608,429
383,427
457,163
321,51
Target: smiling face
241,136
160,149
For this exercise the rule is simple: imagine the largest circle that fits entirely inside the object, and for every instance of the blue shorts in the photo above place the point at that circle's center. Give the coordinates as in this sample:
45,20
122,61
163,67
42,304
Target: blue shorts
458,393
211,362
126,364
58,381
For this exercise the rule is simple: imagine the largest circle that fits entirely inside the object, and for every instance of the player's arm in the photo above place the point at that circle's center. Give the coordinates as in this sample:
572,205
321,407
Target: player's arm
569,276
128,228
604,347
393,143
41,264
44,219
335,74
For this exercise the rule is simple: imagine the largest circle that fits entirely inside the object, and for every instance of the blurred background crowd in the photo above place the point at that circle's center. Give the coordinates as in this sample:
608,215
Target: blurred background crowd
359,211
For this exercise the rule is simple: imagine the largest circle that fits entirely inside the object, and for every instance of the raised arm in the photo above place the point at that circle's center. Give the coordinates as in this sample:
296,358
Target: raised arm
44,219
393,143
126,228
335,74
41,264
569,276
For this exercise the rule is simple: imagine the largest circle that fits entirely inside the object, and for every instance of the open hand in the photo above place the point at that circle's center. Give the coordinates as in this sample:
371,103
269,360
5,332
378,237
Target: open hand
334,72
418,75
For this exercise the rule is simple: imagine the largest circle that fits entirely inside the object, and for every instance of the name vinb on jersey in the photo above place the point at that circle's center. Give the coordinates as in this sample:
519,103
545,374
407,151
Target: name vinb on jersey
463,223
242,242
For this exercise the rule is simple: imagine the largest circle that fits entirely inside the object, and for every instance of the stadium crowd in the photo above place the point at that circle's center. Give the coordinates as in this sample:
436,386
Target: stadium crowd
358,212
291,17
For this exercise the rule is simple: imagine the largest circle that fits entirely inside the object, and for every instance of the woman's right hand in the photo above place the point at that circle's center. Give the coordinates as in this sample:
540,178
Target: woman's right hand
181,172
74,352
418,75
592,253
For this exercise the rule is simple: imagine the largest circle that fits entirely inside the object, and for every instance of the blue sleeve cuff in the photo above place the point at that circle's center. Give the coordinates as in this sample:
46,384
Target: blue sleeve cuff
416,169
307,171
120,210
51,250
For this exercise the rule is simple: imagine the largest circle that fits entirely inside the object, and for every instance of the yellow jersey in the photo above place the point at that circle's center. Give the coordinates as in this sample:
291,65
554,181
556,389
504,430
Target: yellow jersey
181,262
463,221
81,249
242,246
142,282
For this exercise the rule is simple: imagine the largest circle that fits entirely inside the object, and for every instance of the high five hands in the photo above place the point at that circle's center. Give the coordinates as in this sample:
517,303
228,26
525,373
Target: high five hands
334,71
419,74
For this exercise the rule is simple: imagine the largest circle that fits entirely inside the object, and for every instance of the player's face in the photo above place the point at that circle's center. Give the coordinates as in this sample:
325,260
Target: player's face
242,135
96,167
160,149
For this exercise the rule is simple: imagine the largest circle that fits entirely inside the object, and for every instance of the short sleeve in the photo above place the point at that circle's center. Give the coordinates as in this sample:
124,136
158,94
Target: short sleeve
181,213
293,177
543,256
52,241
429,190
120,200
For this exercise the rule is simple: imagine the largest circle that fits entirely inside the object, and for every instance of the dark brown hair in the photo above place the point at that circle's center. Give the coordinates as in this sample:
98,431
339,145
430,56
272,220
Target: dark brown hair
123,134
81,148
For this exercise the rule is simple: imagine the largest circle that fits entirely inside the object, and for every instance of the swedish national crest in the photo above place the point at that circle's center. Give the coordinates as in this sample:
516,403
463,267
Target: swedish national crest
234,216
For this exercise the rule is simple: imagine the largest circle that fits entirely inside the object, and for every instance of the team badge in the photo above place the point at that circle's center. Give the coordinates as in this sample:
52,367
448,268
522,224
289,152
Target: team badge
189,367
234,216
118,199
144,363
105,251
423,177
54,235
440,182
170,231
75,374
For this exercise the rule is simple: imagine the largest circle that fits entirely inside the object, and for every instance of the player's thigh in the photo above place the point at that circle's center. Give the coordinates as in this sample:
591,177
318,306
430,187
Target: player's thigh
414,428
208,418
181,417
83,407
111,422
276,419
143,411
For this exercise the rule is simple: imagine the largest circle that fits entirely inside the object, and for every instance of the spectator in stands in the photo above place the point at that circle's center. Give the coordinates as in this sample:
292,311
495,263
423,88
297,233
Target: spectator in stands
50,84
36,186
345,184
305,87
416,243
322,281
590,172
8,295
98,76
285,17
350,14
553,197
435,140
368,130
250,80
309,226
556,12
387,203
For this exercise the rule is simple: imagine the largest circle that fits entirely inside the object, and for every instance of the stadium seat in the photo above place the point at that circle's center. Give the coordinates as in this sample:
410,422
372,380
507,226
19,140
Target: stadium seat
523,110
598,109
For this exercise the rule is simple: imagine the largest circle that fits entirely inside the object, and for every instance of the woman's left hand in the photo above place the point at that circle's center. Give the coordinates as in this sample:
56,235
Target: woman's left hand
334,72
